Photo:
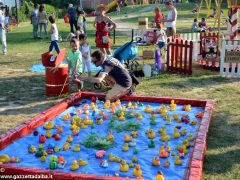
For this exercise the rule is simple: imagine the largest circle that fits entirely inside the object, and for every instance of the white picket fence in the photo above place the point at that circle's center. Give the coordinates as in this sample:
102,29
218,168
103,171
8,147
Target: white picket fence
229,69
195,38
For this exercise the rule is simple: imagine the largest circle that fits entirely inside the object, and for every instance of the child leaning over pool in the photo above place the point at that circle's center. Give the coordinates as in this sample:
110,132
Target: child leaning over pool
85,49
75,63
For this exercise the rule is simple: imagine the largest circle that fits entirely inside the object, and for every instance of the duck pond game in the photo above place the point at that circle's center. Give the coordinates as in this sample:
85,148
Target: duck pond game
135,137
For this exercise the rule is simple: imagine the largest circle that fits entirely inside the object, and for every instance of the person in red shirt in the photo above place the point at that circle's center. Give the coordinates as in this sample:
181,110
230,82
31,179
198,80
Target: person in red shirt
158,17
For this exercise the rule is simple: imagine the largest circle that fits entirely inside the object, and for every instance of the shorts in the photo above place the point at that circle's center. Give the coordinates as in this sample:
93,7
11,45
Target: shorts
116,92
170,31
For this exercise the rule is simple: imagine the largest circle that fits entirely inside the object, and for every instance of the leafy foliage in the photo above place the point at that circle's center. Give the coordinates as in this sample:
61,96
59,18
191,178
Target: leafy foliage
127,126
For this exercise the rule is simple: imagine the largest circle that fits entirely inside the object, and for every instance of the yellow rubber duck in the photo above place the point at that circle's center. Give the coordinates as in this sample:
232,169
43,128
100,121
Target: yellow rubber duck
159,176
117,159
66,117
41,146
125,147
137,172
175,116
118,102
43,158
188,107
4,158
111,158
56,149
86,112
121,117
162,129
76,148
151,134
74,166
183,132
165,137
172,106
139,116
81,162
87,121
134,159
177,161
186,143
131,165
49,125
106,106
176,134
148,109
127,138
135,106
155,161
48,134
66,146
134,134
83,126
129,104
32,149
168,149
193,122
124,166
190,137
110,136
69,139
75,119
92,105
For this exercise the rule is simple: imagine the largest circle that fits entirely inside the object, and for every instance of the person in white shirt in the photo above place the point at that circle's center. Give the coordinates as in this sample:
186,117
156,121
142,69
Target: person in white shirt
54,35
171,18
161,37
3,33
34,21
85,49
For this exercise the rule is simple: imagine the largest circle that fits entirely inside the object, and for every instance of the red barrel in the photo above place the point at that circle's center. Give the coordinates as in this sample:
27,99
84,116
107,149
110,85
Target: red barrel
57,80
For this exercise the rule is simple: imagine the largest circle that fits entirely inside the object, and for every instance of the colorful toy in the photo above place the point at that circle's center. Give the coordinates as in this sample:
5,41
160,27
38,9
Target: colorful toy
151,134
66,146
168,149
56,137
48,134
160,176
139,116
111,158
50,149
121,117
153,116
199,115
153,122
110,136
177,161
104,163
53,162
183,132
168,119
151,144
124,166
74,166
163,153
193,122
173,153
69,139
176,133
127,138
187,107
66,117
49,125
87,121
56,149
134,159
86,111
125,147
134,134
137,172
81,162
186,143
61,162
118,103
190,137
100,154
155,161
131,165
43,158
132,143
148,109
17,160
76,148
162,129
32,149
166,164
175,116
117,159
135,151
172,106
35,133
99,120
164,137
12,159
42,138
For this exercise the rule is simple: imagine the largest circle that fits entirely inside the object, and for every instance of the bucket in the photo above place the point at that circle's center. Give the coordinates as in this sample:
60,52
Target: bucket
142,23
147,70
57,82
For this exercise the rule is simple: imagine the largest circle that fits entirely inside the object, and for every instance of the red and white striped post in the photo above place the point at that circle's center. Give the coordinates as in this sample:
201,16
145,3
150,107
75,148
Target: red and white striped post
234,19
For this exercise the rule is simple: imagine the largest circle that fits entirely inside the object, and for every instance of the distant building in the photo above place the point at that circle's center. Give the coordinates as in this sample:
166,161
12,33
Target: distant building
11,3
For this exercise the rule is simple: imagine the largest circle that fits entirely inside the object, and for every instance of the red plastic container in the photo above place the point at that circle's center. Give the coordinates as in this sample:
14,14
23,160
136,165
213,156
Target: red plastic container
57,61
57,81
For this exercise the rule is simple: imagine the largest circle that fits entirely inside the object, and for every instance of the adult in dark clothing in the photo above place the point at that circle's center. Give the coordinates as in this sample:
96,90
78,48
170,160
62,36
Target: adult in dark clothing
113,73
72,13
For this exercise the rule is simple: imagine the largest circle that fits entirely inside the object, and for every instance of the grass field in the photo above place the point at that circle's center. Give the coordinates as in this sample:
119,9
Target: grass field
22,93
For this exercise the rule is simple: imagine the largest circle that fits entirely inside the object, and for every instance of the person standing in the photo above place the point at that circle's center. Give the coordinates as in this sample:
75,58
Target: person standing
3,33
42,20
171,18
34,20
72,13
80,10
54,35
102,23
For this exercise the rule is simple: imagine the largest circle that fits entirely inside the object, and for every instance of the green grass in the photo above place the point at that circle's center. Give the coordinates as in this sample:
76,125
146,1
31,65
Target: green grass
25,90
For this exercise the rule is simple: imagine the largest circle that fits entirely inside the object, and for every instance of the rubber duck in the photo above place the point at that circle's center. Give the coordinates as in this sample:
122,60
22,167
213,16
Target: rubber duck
173,153
111,158
151,144
139,116
87,121
186,143
164,137
127,138
117,159
81,162
168,119
69,138
132,143
134,159
59,129
131,165
41,146
175,116
155,161
56,149
151,134
182,150
74,127
190,137
118,102
85,107
75,118
57,137
176,133
100,154
125,147
193,122
129,104
66,146
183,132
40,152
162,129
42,138
99,120
148,109
134,134
124,166
159,176
153,116
137,172
166,164
153,122
104,163
187,107
82,125
199,115
110,136
12,159
106,106
121,117
177,161
17,160
135,105
86,112
135,151
53,162
49,125
48,134
32,149
76,148
75,132
4,159
66,117
163,153
168,149
43,158
74,166
172,106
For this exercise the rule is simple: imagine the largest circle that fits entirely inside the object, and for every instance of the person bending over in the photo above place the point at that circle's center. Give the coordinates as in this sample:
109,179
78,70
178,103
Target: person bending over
113,73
